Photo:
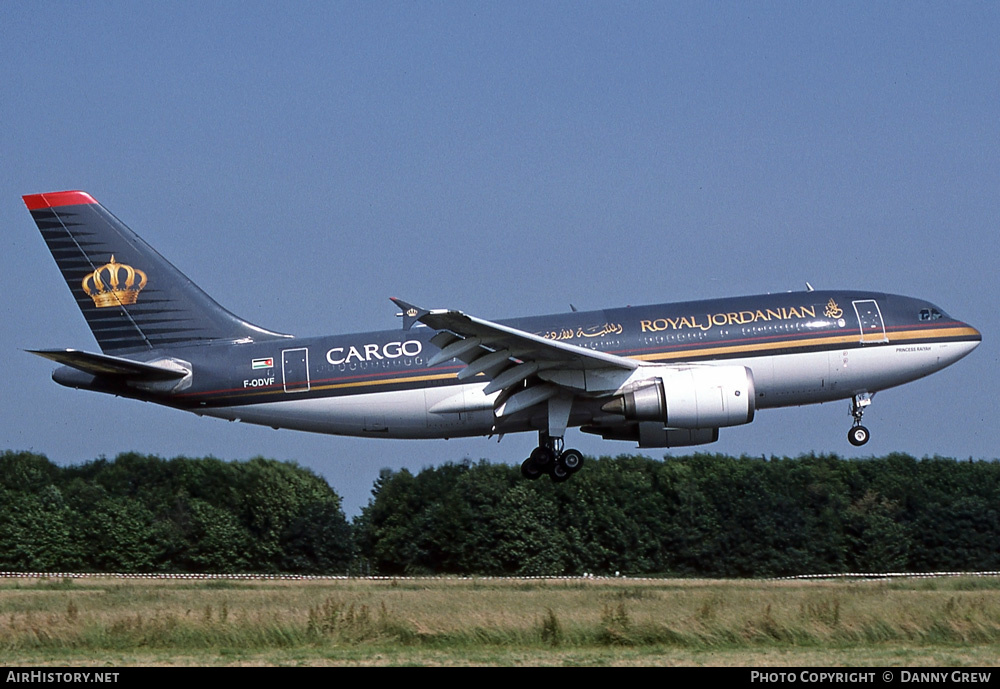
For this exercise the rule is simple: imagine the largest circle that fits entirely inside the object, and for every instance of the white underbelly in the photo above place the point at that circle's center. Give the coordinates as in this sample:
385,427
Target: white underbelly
794,379
394,414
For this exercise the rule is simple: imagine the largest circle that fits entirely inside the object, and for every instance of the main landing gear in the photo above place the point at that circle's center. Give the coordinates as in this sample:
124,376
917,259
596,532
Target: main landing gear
549,458
859,435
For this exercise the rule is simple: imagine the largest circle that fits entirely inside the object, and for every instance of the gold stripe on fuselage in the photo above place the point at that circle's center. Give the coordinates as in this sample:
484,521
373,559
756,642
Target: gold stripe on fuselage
852,339
335,386
681,354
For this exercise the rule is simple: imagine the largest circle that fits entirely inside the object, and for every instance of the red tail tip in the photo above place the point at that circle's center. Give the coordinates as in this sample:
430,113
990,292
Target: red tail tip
54,199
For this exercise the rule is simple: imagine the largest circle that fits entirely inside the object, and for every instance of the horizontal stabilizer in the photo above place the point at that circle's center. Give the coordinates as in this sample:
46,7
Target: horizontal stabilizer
104,365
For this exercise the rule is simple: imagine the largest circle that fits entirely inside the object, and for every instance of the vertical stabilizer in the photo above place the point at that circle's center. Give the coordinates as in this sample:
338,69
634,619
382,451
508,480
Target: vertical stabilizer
132,298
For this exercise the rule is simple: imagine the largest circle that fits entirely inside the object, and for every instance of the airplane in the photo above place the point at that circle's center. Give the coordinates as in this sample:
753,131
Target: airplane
663,375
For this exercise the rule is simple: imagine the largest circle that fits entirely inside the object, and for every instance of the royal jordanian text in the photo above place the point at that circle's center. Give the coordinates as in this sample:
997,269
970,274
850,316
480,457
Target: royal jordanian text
709,320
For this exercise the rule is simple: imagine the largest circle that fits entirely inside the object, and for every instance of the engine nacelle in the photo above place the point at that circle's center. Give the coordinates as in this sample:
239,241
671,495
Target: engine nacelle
653,434
690,397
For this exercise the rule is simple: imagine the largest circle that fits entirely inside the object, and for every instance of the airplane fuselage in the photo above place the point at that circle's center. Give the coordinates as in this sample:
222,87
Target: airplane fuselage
801,347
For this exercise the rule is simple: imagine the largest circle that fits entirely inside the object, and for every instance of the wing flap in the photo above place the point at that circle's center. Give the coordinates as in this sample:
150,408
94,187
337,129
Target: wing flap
511,376
521,344
514,361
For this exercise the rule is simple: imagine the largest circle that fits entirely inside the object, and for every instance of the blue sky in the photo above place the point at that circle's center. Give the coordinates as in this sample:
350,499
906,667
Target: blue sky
302,162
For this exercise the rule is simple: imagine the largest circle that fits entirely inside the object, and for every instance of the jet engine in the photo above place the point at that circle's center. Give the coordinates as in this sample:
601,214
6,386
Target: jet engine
692,397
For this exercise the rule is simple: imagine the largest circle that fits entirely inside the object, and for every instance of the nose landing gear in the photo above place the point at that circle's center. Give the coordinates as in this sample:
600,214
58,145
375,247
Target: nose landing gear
549,458
859,435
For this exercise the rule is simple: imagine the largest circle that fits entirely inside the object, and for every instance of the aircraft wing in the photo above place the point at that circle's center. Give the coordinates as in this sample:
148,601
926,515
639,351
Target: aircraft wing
104,365
525,368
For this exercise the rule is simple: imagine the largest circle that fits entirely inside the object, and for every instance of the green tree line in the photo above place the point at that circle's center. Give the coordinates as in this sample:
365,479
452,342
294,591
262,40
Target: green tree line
145,514
699,515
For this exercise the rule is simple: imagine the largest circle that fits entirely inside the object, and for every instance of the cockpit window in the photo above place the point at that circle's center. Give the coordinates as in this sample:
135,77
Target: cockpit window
930,314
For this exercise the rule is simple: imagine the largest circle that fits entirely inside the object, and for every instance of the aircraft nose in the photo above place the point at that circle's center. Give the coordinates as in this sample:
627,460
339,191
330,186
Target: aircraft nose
974,335
970,338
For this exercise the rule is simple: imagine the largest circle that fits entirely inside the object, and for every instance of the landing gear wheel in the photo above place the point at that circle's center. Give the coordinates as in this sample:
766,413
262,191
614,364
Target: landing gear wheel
559,472
530,470
542,457
858,436
550,458
572,460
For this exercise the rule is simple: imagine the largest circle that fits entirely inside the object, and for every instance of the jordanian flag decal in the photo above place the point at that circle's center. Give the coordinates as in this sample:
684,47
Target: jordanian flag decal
267,362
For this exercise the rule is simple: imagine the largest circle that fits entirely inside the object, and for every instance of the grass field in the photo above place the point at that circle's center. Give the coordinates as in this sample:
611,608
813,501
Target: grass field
107,621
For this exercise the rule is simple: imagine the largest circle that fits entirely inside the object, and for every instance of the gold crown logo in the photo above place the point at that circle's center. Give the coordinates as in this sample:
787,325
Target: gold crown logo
105,289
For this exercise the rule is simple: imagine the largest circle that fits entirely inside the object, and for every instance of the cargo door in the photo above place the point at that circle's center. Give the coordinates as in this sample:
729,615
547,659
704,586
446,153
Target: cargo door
295,369
870,321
